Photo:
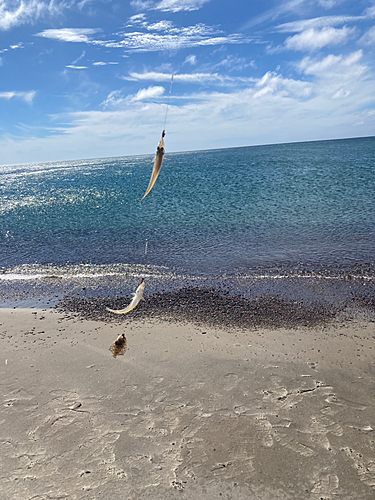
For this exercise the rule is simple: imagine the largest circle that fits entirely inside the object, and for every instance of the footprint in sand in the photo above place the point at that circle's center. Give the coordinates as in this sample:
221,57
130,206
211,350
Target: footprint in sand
325,486
365,468
333,399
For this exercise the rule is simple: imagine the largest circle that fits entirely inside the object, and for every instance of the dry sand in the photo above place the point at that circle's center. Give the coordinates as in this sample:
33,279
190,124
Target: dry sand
186,413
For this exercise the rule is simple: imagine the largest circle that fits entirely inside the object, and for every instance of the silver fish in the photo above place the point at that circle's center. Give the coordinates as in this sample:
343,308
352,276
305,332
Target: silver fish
137,297
160,150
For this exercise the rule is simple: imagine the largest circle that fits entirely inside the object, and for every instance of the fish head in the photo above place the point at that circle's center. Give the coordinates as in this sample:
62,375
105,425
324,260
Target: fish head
141,287
160,150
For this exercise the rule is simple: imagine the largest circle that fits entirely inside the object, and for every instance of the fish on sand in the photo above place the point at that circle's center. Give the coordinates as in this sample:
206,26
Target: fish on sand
137,297
160,150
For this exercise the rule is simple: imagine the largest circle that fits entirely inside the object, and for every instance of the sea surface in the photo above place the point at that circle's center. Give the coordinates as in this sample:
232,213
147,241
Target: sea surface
261,214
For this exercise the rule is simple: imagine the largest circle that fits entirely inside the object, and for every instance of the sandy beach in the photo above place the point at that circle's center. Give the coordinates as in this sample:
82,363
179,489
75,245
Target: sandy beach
188,412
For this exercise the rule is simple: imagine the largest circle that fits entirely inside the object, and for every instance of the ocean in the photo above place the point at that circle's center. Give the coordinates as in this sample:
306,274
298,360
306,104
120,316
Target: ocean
269,216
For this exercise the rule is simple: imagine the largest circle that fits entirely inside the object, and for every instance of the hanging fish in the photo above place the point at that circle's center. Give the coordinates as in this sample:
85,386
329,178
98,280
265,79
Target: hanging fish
137,297
160,150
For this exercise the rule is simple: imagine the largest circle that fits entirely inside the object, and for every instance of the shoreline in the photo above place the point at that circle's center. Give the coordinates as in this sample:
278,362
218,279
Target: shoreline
190,411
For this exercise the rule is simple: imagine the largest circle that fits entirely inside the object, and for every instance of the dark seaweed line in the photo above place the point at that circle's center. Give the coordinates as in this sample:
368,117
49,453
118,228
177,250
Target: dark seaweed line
206,306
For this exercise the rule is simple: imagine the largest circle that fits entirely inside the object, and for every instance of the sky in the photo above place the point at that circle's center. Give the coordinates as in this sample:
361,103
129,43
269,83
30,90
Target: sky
93,78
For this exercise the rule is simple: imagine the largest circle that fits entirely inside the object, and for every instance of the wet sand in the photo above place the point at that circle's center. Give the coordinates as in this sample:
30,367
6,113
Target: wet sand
188,412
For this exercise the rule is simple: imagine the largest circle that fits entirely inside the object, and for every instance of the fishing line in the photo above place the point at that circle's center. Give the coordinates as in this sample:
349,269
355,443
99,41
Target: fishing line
168,99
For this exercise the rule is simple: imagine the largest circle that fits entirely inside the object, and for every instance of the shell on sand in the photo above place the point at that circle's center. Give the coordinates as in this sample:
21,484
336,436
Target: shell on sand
118,348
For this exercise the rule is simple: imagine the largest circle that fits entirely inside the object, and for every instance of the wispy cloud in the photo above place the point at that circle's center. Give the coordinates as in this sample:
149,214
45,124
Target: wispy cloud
102,63
197,78
369,37
149,93
274,84
329,4
75,35
116,100
20,12
297,7
191,59
274,13
24,96
169,37
233,63
178,5
329,63
337,100
313,39
317,22
73,66
168,5
15,13
157,37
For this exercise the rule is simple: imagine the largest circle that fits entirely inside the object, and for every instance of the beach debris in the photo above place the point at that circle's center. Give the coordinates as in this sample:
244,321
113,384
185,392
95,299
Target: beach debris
160,150
118,348
137,297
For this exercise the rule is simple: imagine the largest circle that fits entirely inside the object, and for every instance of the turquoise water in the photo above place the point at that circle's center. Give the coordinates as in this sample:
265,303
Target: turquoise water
229,211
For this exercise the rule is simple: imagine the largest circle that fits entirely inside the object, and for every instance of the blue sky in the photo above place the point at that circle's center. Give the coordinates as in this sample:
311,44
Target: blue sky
91,78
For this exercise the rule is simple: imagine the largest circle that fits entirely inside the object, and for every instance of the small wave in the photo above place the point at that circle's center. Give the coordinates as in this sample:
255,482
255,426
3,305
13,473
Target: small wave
83,271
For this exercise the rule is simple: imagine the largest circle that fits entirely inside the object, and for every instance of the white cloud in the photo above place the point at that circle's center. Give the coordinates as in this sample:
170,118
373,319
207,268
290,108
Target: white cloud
160,26
178,5
280,10
102,63
313,39
114,99
151,42
192,59
331,63
15,13
370,12
73,66
20,12
310,67
78,58
316,22
275,84
17,46
138,18
339,77
149,93
341,93
75,35
142,5
199,78
270,109
369,37
192,78
24,96
329,4
232,63
168,5
173,38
